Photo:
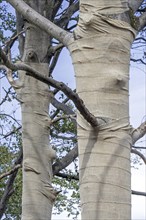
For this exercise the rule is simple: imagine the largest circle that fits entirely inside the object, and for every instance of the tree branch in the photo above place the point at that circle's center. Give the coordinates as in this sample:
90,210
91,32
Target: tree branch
142,21
63,117
138,193
138,60
12,132
59,85
41,22
134,151
10,171
139,147
67,176
64,108
9,187
138,132
6,96
65,161
63,21
135,4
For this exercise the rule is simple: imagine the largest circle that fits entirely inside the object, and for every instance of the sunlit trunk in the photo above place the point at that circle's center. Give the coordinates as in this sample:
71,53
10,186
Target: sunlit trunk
101,56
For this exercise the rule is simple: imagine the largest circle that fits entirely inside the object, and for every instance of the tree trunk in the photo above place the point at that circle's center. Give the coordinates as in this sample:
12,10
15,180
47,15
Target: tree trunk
38,195
37,156
101,56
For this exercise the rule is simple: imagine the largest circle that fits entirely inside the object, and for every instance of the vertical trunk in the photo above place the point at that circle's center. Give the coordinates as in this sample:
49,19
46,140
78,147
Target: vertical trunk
38,195
101,55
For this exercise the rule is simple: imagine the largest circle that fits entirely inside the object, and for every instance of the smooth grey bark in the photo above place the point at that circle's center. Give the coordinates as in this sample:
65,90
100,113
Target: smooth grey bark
101,55
38,193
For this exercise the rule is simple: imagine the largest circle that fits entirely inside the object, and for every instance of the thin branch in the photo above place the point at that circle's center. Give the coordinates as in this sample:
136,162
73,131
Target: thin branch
138,60
63,21
12,40
41,22
7,115
138,193
64,137
135,4
139,147
65,161
9,187
138,132
12,132
140,39
67,176
10,171
6,96
142,21
134,151
63,117
54,61
61,106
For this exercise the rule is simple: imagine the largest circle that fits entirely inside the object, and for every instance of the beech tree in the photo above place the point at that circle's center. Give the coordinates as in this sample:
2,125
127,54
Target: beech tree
100,50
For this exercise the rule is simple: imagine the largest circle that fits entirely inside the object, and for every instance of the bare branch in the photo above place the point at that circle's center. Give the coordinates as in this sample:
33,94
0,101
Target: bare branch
61,106
10,171
12,40
67,176
59,85
138,132
54,61
139,147
142,21
63,21
6,96
138,60
135,4
9,187
140,39
41,22
12,132
138,193
63,117
65,161
134,151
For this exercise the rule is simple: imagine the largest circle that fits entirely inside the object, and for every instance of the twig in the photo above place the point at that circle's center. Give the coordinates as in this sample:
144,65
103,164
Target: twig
9,187
138,132
138,193
6,96
63,117
134,151
10,171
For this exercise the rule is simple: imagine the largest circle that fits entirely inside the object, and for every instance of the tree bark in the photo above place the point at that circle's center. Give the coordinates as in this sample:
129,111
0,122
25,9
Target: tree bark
101,56
38,194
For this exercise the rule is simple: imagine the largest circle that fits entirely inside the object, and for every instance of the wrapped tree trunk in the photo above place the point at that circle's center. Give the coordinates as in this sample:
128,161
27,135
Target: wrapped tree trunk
35,97
101,56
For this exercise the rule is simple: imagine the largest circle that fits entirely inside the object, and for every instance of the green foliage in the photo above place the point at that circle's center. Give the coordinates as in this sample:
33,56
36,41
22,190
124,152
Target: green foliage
10,146
68,199
14,205
7,22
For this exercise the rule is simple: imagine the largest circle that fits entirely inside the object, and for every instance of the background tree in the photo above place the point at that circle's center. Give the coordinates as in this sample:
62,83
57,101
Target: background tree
104,127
